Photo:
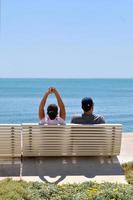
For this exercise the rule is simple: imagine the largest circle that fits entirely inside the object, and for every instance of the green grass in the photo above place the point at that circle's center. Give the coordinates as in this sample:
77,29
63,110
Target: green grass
20,190
128,170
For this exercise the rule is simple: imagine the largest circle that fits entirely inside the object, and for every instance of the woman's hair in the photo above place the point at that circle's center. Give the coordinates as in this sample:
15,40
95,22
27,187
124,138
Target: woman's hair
52,111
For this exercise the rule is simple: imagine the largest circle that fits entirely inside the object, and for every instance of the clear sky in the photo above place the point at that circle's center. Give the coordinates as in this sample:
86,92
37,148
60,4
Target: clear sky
66,38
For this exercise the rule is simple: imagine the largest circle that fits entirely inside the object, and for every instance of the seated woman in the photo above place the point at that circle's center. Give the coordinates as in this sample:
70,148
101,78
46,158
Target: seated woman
52,110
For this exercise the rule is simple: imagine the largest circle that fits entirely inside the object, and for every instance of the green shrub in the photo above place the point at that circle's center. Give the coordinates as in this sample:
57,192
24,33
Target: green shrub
12,190
20,190
128,170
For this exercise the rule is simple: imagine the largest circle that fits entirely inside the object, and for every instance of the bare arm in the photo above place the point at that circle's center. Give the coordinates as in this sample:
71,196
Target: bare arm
61,105
41,112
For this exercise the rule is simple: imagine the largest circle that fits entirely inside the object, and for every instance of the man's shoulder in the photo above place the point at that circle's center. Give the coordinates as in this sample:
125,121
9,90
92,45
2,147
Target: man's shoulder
76,119
99,119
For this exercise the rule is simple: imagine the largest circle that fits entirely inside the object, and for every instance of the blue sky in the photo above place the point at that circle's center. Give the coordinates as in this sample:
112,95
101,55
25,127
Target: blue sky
66,38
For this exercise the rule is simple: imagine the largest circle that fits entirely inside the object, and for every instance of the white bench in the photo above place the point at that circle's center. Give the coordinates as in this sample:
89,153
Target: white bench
10,140
71,140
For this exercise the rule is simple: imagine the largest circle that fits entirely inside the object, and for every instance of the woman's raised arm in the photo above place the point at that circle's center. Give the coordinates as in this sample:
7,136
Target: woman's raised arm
41,111
61,105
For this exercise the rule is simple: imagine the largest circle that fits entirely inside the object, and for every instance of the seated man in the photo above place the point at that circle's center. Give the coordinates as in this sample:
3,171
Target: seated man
88,117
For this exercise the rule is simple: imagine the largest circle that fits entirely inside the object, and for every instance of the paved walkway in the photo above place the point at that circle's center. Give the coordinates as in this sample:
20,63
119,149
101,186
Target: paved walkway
71,170
126,153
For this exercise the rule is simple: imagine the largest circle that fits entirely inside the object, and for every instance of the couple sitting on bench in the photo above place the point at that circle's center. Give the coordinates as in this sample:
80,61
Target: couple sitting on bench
55,118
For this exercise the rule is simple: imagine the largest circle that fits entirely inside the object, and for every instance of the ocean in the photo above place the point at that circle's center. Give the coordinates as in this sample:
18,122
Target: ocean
113,98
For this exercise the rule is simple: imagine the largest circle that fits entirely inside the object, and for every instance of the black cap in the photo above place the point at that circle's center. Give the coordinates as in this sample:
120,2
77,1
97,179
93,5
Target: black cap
87,103
52,111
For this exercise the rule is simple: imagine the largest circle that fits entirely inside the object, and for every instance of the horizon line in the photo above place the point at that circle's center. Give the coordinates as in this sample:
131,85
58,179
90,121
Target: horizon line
66,78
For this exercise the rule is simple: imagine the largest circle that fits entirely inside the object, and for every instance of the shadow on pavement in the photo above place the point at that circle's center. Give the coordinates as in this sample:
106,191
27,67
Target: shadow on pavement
62,167
10,167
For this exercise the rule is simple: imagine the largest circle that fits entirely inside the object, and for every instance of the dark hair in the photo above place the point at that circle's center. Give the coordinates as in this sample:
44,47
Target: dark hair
87,104
52,111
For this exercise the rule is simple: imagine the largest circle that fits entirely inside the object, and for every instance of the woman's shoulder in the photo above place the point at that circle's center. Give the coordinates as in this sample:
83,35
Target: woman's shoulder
43,121
60,120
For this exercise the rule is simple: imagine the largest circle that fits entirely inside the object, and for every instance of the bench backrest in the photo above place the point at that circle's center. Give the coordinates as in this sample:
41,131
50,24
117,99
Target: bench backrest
10,140
71,140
